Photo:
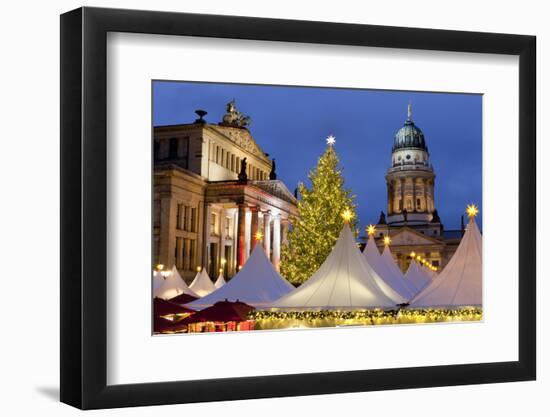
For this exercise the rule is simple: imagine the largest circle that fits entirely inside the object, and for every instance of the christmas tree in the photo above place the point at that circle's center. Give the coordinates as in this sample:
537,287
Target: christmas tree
320,221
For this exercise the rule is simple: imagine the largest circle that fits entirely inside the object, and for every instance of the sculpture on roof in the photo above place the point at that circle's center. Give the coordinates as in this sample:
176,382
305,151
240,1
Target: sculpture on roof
273,173
233,117
242,174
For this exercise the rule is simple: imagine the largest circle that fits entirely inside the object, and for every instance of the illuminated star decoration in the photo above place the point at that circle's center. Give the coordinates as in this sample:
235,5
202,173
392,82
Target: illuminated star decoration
347,215
472,210
259,235
331,140
371,229
387,240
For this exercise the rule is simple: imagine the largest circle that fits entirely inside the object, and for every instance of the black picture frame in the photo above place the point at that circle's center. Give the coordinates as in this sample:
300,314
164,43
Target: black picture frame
84,207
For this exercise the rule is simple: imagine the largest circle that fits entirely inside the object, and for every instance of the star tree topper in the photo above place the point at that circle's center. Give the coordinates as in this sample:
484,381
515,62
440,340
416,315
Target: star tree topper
472,210
331,140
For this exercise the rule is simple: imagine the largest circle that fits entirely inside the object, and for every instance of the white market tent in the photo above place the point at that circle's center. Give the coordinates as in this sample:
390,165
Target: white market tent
256,284
344,281
220,282
417,276
386,268
173,286
371,253
158,280
459,284
202,285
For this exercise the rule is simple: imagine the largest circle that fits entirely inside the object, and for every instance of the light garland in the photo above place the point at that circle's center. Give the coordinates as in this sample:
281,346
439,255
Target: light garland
332,318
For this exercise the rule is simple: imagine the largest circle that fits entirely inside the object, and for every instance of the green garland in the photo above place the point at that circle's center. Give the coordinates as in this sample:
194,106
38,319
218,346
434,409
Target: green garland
330,318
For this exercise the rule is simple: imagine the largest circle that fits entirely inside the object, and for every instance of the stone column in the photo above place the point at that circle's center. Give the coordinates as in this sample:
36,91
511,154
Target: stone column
179,253
390,197
167,241
402,184
221,244
187,261
284,238
429,198
241,243
247,236
276,241
207,211
414,194
424,196
267,233
254,225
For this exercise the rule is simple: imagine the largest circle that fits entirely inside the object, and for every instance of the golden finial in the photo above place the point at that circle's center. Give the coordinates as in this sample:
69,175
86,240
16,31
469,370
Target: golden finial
472,210
371,229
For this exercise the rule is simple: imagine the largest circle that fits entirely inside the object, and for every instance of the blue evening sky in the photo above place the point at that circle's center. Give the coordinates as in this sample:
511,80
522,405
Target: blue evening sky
291,124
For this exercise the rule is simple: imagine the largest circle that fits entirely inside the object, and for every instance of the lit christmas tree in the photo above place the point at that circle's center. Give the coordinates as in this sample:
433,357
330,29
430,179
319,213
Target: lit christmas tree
320,221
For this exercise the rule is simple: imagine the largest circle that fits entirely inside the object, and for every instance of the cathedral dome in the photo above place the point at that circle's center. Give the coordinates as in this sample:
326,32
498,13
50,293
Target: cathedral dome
409,136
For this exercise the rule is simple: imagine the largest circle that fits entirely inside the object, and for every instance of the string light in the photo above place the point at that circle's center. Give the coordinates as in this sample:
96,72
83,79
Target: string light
331,318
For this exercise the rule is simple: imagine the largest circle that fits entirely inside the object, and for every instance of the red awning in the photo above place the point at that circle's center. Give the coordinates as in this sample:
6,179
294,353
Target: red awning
182,298
222,311
162,325
163,308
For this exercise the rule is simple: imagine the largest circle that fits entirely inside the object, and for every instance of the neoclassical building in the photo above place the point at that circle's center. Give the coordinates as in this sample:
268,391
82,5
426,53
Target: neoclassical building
412,221
215,194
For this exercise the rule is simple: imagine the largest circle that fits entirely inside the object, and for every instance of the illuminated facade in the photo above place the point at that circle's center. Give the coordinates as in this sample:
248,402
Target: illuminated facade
214,189
412,220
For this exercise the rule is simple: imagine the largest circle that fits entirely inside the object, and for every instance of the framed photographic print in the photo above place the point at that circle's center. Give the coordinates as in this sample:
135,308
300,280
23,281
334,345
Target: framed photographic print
258,208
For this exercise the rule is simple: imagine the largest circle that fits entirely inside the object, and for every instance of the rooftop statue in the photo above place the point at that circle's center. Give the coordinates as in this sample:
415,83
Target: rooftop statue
234,117
242,173
273,173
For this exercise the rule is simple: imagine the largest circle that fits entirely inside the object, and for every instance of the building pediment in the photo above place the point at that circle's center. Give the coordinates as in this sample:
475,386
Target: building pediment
241,138
408,236
276,188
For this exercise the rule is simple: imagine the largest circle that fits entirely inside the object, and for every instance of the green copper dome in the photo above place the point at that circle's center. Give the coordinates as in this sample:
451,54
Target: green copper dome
409,136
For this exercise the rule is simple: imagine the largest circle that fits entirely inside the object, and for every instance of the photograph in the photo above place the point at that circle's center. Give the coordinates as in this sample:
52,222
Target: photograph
294,207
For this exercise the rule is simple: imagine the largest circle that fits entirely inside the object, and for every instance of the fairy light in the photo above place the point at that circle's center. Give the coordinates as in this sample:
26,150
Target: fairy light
331,318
